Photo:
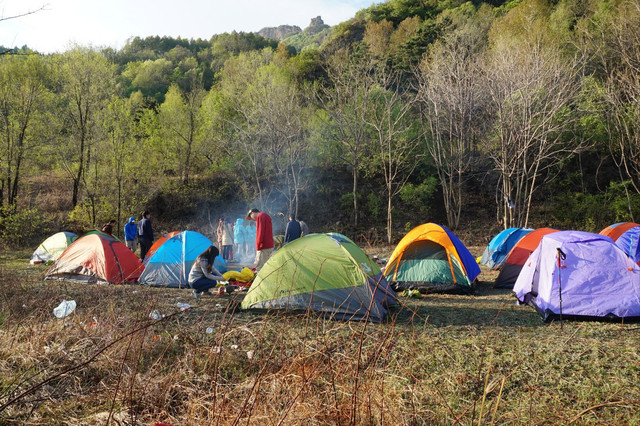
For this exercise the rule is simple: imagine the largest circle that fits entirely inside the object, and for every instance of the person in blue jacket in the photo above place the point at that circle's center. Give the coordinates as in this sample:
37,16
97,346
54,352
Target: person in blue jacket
131,234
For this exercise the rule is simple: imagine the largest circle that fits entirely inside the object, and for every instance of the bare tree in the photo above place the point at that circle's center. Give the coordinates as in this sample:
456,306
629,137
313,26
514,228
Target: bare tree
346,100
531,89
397,137
454,106
621,40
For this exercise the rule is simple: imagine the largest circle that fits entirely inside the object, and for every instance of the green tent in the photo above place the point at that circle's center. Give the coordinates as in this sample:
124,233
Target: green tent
327,273
52,247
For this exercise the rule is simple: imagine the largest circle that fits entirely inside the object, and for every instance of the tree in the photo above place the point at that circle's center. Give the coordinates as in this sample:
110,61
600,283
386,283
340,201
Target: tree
532,88
86,84
453,101
24,96
180,122
397,136
345,99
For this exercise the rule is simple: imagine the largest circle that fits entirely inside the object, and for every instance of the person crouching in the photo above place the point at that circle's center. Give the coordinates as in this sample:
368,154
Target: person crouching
203,275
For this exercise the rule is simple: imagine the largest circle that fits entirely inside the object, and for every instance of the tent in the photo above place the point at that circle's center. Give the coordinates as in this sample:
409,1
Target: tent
431,258
518,256
629,243
577,274
96,258
614,231
52,247
160,241
326,273
170,264
500,246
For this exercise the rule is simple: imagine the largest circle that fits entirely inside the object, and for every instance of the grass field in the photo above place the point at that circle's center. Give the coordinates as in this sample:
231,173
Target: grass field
442,359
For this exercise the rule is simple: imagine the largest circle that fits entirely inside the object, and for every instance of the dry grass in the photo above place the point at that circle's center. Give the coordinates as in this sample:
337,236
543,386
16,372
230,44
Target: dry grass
442,359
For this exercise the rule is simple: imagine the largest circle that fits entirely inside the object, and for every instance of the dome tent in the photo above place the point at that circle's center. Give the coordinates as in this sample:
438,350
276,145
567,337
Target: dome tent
326,273
96,258
629,243
518,256
52,247
582,275
431,258
617,229
170,264
500,246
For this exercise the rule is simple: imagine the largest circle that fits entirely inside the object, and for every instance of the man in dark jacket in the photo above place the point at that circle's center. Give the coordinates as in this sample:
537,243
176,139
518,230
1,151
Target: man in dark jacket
145,234
293,230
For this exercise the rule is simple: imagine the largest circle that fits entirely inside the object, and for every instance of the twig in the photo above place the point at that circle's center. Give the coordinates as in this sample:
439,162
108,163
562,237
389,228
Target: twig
606,404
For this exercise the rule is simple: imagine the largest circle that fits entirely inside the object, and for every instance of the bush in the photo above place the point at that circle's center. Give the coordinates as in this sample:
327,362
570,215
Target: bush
592,212
21,227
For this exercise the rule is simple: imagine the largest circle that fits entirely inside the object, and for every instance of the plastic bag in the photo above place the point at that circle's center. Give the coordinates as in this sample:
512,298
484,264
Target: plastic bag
65,308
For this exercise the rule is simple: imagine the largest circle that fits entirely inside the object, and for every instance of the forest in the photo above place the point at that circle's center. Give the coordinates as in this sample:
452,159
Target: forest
470,114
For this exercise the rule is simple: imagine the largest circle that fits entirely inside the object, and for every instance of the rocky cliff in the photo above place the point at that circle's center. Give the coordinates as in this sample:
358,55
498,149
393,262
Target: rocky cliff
278,33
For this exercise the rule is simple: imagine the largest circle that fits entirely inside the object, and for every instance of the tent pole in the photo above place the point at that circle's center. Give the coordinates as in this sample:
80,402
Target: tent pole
561,258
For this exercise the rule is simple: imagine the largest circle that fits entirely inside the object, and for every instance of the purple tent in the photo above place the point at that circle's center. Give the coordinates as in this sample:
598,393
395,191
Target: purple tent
595,278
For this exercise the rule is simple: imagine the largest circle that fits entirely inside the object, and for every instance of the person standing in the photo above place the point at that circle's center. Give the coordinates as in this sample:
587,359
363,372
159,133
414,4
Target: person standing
203,275
264,236
293,230
107,228
219,233
145,234
303,228
131,234
227,239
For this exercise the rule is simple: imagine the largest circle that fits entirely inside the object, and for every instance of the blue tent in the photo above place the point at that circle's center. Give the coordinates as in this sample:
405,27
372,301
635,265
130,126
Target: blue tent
628,243
170,264
500,246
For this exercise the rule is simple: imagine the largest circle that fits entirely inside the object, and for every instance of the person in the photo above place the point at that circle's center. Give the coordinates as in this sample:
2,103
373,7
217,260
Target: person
227,239
107,228
203,275
145,234
303,227
131,234
293,230
220,232
264,236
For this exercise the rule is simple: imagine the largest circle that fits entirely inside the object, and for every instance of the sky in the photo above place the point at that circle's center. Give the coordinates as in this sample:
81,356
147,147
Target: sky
109,23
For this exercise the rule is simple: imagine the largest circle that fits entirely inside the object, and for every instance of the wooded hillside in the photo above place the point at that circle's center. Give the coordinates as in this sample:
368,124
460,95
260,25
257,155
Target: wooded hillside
476,114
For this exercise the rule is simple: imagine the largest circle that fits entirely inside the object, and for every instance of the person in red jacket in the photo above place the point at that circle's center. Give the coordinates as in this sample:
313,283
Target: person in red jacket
264,236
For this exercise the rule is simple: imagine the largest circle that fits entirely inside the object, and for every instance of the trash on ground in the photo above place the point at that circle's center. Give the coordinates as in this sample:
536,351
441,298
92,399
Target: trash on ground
156,315
183,306
65,308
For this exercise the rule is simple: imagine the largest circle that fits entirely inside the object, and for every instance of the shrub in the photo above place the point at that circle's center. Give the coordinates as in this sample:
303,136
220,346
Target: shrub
21,227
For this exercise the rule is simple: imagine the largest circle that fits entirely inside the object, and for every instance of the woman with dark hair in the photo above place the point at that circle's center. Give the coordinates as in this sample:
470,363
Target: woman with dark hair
203,274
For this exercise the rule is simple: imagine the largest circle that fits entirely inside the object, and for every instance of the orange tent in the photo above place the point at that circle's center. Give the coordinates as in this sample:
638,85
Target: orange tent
518,256
96,258
614,231
431,257
160,241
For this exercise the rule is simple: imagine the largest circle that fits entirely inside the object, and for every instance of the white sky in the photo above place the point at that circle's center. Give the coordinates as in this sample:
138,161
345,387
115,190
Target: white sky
112,22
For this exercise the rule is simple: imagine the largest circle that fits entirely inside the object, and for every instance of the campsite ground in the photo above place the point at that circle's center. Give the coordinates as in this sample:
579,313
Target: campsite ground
440,359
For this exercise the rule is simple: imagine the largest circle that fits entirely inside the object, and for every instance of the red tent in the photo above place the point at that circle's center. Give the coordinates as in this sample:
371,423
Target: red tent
96,258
